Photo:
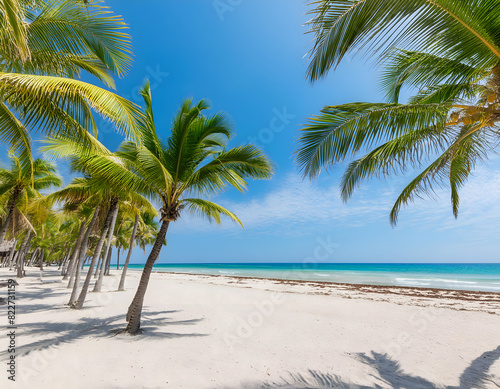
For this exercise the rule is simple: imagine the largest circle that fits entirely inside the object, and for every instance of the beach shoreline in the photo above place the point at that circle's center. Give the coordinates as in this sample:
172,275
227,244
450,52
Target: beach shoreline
203,331
415,291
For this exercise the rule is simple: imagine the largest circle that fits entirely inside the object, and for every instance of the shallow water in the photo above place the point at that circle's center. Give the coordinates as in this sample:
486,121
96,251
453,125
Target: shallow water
479,277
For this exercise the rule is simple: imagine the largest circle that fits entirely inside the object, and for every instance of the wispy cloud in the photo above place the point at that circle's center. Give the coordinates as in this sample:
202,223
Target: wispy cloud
293,202
294,205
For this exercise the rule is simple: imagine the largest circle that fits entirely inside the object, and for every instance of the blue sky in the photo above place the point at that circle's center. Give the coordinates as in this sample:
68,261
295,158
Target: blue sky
247,57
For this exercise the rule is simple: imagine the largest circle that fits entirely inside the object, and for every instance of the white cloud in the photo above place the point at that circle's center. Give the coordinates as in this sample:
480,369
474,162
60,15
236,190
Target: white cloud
294,202
294,205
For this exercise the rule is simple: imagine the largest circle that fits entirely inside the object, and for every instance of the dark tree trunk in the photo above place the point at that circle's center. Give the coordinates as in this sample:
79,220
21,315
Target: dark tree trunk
12,205
11,254
108,262
83,294
121,287
135,309
99,264
65,262
114,212
21,254
118,259
74,255
81,256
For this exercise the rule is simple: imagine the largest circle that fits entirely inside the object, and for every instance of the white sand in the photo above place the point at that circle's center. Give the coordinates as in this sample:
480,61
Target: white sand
222,332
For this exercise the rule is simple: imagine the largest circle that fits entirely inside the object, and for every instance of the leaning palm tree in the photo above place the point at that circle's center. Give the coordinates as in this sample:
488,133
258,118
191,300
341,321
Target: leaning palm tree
44,46
22,182
192,163
97,188
449,51
144,233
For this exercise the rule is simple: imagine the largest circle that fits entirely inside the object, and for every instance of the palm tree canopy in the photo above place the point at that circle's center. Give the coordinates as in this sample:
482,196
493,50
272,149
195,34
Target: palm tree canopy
193,161
463,31
20,187
446,128
19,176
44,45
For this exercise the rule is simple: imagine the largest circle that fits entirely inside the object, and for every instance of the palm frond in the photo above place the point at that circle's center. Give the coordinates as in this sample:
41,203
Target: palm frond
209,210
341,26
343,130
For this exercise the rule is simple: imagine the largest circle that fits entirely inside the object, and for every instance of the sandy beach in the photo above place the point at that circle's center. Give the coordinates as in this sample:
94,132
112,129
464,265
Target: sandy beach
229,332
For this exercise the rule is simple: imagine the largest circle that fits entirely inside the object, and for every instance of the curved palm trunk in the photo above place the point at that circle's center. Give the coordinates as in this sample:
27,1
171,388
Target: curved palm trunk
10,213
34,256
81,257
11,254
121,287
21,255
108,262
98,284
65,262
83,294
135,309
74,255
99,264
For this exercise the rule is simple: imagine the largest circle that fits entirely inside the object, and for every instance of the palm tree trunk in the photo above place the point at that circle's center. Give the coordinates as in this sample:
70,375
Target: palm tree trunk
83,294
98,284
135,309
41,258
25,253
65,262
81,256
121,287
118,259
108,262
12,205
74,255
34,256
99,264
20,256
11,253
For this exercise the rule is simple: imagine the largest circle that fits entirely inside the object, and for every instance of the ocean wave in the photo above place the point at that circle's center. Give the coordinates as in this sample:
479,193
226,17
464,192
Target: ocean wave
409,281
436,280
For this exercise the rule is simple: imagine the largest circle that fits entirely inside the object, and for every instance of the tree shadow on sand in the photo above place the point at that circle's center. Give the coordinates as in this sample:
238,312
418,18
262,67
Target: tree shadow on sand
390,375
55,334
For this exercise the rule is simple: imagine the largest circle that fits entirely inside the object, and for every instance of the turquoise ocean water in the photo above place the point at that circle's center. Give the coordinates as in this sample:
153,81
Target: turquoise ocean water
479,277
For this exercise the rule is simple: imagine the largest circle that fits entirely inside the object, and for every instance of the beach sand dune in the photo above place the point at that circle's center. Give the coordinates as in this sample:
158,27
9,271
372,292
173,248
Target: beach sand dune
227,332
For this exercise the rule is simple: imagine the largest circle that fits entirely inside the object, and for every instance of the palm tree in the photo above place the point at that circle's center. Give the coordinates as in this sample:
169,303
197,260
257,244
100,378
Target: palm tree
144,232
44,45
24,182
449,51
192,163
97,189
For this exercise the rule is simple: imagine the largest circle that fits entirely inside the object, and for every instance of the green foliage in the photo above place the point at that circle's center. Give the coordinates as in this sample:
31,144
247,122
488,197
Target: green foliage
44,45
449,52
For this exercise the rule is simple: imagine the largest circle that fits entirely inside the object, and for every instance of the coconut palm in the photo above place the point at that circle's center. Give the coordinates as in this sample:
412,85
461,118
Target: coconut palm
22,182
44,46
449,51
86,191
109,193
192,163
